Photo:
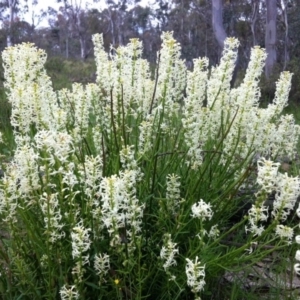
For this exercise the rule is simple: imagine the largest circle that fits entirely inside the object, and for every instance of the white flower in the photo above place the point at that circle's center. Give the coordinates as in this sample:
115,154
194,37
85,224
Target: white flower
202,210
297,255
218,85
25,161
195,121
69,177
52,216
127,158
77,104
68,293
267,174
255,229
120,206
171,81
111,197
173,199
288,190
297,238
285,232
214,232
58,145
298,211
29,89
113,73
283,86
80,242
297,269
253,246
168,252
195,275
145,136
258,214
91,174
101,263
173,187
172,278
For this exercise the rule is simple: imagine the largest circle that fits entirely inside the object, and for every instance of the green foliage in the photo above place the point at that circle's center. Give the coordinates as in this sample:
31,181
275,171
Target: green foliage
294,67
64,72
5,111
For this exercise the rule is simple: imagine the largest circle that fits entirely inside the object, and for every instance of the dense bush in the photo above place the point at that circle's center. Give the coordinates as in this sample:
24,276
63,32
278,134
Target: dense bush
127,189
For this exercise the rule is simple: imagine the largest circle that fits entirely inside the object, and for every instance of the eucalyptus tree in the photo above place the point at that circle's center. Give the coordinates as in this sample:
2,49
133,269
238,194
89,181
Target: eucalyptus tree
35,16
254,17
9,10
190,20
293,8
116,14
74,13
271,36
217,21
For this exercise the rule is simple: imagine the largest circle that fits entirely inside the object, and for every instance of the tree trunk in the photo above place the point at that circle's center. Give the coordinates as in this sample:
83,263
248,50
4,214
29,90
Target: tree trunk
270,37
82,47
112,26
217,21
9,38
255,9
286,36
67,46
81,33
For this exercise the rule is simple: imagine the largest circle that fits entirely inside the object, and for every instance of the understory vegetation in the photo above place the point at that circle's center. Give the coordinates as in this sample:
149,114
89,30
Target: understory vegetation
144,187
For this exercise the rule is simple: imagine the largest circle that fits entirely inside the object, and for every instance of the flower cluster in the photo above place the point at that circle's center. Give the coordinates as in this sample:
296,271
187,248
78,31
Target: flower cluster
168,252
80,242
202,210
195,115
195,275
171,81
120,207
287,190
145,137
52,217
58,145
267,171
69,293
257,214
173,198
29,89
26,160
125,81
91,171
127,158
77,104
218,85
297,255
101,263
285,233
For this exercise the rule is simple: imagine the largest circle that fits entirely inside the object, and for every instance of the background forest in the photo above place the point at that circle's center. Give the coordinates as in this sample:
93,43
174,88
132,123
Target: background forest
201,26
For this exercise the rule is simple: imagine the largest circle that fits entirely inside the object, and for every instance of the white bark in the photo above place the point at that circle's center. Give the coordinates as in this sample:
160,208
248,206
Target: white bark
283,4
255,9
73,11
270,37
12,7
217,21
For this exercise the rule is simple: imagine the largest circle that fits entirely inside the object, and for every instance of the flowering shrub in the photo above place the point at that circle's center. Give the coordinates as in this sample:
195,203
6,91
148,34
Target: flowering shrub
127,188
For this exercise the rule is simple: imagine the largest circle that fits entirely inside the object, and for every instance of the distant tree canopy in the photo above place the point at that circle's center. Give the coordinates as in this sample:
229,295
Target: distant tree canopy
199,25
